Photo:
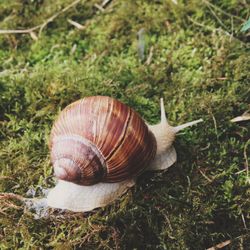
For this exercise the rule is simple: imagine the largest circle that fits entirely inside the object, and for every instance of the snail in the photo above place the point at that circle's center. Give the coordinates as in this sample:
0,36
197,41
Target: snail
98,148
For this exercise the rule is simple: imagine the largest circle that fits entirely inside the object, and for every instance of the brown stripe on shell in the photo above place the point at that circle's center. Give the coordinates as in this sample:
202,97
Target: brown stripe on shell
135,152
112,131
119,132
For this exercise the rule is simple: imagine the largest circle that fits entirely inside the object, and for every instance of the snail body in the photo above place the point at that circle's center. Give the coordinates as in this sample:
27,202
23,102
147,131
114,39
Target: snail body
99,146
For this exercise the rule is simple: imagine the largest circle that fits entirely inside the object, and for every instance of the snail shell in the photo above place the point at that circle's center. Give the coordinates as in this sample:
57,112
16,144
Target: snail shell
99,139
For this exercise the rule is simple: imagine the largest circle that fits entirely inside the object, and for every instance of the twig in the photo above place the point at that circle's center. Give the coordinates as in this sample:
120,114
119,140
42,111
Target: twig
40,26
7,196
7,204
222,11
33,35
105,2
57,14
220,245
6,177
232,28
19,31
206,147
73,49
149,59
245,156
241,171
218,19
244,117
214,29
170,226
206,26
77,25
99,7
207,178
243,219
215,124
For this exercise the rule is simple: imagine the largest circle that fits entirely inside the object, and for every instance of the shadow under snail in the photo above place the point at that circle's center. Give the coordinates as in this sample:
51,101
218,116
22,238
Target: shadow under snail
98,148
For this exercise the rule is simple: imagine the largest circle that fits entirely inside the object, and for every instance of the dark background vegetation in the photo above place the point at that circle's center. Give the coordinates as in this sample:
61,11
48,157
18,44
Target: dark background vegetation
196,57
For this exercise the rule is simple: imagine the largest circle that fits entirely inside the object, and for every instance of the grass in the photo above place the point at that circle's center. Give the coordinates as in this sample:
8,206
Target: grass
200,65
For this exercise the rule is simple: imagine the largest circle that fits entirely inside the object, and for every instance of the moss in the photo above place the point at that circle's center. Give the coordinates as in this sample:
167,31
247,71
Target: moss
200,65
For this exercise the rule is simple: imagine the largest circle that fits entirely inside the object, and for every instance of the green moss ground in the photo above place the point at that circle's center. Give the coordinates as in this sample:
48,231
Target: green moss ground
200,65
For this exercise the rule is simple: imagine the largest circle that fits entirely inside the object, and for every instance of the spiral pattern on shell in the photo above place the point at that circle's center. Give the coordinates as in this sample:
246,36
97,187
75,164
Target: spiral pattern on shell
99,139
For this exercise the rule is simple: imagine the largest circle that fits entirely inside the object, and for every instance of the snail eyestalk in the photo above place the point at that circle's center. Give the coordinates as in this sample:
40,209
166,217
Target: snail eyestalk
163,113
163,132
